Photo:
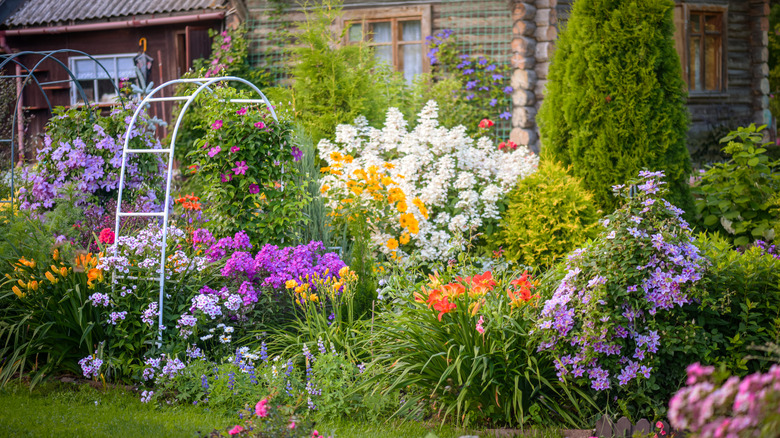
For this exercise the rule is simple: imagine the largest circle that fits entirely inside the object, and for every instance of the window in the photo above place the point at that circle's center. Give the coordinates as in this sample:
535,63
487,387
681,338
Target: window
97,85
701,45
397,34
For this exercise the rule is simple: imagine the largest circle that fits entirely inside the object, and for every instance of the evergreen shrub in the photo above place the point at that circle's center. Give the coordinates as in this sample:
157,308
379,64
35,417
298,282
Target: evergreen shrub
615,102
549,213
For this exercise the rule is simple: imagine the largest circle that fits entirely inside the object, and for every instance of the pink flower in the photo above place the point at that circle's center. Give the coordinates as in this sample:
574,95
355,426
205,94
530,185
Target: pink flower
241,112
216,125
254,188
240,168
261,409
292,424
214,151
226,178
481,321
235,149
236,430
259,125
106,236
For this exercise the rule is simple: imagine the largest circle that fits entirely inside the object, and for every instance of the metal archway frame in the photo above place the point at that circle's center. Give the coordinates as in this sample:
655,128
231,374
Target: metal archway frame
204,84
14,59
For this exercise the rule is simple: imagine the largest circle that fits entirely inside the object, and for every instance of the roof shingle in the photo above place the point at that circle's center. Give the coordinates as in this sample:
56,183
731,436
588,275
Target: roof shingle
43,12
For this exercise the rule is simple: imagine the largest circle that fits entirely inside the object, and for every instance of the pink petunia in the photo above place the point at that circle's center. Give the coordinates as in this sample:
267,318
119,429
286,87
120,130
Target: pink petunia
236,430
261,408
241,112
259,125
240,168
216,125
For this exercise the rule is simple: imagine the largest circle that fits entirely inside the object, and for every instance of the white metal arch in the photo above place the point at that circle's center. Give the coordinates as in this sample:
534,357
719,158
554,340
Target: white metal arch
204,84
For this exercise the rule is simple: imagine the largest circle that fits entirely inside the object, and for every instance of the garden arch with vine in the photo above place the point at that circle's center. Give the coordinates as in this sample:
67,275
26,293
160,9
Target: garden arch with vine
202,84
15,60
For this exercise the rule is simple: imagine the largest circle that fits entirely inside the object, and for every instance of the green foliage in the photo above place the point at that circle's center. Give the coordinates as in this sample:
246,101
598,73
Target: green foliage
430,339
774,65
615,102
454,109
229,57
333,82
549,213
245,169
739,198
315,221
741,307
46,321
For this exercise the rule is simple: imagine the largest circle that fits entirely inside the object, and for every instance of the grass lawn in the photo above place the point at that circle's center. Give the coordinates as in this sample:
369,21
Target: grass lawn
58,409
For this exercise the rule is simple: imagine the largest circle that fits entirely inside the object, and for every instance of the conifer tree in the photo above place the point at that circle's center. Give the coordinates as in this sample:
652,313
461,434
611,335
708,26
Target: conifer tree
615,101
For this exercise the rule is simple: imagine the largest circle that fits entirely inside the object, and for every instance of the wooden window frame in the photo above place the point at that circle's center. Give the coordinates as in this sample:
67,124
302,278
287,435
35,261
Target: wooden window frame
683,33
74,96
395,15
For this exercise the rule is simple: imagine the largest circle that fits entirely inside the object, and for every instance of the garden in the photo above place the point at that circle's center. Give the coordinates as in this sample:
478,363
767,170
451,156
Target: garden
357,259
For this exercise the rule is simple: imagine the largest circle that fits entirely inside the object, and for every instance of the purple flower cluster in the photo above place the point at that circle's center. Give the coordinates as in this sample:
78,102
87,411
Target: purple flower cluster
734,407
274,265
162,367
149,316
600,321
90,164
90,366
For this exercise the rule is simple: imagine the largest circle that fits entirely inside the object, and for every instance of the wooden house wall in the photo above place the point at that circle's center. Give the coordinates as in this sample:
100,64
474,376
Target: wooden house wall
161,45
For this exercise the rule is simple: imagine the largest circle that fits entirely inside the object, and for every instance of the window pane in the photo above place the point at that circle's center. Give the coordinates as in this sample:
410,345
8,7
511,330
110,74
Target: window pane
411,56
108,64
381,32
695,64
355,32
711,62
384,54
695,23
411,31
712,23
84,69
106,92
126,68
89,91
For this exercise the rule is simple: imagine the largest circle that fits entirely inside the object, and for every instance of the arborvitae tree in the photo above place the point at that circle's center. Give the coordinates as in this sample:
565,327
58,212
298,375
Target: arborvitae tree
615,100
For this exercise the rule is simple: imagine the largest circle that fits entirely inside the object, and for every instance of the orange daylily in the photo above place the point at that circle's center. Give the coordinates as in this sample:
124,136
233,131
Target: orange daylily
443,306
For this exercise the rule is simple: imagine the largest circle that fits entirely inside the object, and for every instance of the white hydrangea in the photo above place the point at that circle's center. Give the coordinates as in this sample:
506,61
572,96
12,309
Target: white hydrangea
443,167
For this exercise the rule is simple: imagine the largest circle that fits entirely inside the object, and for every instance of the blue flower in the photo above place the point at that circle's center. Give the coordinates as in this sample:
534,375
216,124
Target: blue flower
491,67
508,89
470,96
506,115
498,77
468,71
493,102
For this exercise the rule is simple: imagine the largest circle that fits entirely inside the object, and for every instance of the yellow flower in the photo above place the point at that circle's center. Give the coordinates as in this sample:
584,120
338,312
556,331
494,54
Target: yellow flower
51,277
392,244
386,180
314,298
290,284
420,206
348,158
324,188
373,169
22,284
402,207
325,169
389,166
18,292
55,254
33,285
64,271
404,239
343,272
336,156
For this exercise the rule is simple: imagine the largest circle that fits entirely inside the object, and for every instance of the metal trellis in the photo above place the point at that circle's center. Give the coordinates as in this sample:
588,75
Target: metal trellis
15,60
203,85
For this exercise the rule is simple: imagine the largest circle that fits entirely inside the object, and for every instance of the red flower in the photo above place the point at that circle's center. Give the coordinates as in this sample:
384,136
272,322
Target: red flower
501,145
486,123
443,306
106,236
